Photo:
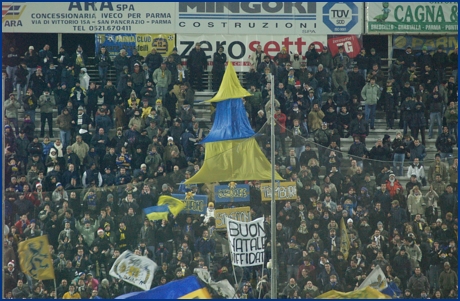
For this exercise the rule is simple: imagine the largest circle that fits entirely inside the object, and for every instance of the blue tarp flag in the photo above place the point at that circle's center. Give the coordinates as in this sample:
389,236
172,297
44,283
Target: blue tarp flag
187,288
230,123
391,290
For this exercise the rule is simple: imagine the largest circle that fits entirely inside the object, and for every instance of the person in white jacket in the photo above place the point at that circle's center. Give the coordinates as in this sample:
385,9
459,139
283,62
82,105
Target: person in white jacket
84,78
417,169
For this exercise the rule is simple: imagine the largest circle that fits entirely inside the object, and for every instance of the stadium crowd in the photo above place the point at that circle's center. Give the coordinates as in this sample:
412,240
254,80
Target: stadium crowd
123,144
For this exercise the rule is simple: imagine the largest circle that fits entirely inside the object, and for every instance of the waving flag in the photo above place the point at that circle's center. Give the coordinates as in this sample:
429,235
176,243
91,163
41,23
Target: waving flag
174,205
35,258
134,269
155,213
376,279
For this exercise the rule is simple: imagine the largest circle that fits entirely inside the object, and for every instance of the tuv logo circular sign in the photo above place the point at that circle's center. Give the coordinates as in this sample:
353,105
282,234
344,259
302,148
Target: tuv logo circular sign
340,16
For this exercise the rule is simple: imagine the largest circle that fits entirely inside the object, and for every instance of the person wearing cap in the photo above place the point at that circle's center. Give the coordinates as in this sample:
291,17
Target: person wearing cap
32,61
283,56
342,58
325,59
356,82
138,78
135,58
218,68
339,78
440,62
448,280
197,63
424,58
397,216
291,258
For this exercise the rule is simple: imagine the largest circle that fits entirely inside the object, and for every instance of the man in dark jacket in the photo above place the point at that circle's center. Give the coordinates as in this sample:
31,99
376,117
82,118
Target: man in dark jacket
397,216
206,246
440,62
444,145
418,283
197,62
359,127
153,60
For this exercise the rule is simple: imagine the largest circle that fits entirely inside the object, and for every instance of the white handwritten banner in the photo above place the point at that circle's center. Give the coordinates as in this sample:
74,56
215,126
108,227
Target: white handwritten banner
134,269
247,242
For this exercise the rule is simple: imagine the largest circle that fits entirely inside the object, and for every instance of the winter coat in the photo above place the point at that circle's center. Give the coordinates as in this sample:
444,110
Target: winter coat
418,283
448,280
11,108
417,118
162,78
359,127
339,78
326,60
371,94
315,119
64,122
46,103
443,144
416,204
103,60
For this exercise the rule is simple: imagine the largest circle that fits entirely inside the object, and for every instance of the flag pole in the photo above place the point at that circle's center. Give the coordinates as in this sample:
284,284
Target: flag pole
261,278
273,280
55,288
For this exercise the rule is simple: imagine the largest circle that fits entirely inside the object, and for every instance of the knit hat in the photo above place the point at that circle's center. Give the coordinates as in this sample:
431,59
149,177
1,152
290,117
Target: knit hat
11,263
100,231
80,108
349,221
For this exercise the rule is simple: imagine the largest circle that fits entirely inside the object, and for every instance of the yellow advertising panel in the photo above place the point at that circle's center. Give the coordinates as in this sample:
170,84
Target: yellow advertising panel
284,191
242,214
164,43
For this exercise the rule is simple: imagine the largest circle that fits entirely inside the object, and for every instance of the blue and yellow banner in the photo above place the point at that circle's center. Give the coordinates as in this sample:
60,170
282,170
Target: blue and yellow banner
155,213
232,192
35,258
187,288
194,204
164,43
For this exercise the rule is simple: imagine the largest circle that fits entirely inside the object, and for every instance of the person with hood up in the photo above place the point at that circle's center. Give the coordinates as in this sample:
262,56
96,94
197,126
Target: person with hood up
84,78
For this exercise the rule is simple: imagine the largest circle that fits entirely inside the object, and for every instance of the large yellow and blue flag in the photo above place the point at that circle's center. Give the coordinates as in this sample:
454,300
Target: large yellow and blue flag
364,293
155,213
187,288
174,205
35,259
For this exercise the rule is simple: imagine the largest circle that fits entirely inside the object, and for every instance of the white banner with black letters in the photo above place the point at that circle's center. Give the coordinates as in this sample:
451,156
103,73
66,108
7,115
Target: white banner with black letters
247,242
134,269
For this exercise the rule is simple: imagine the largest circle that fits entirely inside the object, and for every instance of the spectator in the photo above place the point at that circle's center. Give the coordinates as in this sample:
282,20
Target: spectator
197,63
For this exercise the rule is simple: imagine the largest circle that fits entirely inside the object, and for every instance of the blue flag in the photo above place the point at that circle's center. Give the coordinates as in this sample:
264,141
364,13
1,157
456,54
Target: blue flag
187,288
